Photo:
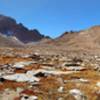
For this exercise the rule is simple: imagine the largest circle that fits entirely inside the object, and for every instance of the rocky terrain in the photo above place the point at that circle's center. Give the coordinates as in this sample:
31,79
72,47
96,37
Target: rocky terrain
84,42
29,75
36,67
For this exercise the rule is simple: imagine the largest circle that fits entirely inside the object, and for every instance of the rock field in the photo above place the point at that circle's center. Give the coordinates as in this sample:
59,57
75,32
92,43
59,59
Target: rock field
33,76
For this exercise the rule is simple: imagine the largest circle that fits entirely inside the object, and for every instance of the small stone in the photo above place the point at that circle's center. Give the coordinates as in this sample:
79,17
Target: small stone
78,95
61,89
22,64
98,84
33,98
60,98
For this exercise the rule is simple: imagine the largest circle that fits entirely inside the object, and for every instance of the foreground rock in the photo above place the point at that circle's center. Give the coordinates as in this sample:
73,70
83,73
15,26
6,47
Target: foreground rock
48,77
21,77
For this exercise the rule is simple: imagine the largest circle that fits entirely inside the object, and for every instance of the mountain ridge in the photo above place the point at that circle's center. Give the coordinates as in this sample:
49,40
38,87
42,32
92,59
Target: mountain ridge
9,26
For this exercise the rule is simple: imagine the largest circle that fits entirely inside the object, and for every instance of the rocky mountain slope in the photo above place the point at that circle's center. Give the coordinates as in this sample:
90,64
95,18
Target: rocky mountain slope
9,41
83,41
17,34
89,38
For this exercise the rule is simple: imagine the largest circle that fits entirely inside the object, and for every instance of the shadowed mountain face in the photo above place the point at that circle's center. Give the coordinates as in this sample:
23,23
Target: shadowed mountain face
9,27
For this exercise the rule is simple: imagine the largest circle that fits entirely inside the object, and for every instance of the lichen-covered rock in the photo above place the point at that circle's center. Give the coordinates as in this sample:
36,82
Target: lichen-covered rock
21,78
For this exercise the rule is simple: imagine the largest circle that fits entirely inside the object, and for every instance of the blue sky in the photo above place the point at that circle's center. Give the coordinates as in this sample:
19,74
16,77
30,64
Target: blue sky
53,17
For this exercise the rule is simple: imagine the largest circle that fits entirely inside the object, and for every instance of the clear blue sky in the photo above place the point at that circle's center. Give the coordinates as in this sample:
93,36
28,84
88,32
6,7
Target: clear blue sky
53,17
